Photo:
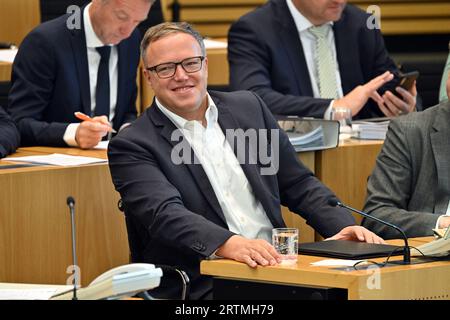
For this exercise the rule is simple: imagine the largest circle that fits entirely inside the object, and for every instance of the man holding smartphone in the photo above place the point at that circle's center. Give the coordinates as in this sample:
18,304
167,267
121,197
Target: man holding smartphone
304,57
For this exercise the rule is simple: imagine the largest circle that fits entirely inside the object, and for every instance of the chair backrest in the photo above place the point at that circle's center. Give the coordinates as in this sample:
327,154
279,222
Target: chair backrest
135,236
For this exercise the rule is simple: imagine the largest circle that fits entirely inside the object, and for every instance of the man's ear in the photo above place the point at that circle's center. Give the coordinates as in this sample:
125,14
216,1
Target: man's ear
147,77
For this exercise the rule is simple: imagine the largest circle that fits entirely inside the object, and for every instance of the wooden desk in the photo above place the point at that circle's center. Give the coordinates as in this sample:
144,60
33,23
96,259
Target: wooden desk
35,232
419,281
5,71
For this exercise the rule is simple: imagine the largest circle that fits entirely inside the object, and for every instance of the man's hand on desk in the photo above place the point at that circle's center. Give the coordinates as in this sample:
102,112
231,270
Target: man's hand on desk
90,133
252,252
357,233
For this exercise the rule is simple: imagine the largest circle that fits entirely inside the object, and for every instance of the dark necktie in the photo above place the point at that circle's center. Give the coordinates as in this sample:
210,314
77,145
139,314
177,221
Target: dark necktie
102,91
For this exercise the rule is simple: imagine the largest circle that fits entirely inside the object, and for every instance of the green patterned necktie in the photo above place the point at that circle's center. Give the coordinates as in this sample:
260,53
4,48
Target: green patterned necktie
326,66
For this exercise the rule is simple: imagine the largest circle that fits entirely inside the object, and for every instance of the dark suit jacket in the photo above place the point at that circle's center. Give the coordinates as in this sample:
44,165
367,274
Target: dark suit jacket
9,136
266,56
410,185
50,81
174,206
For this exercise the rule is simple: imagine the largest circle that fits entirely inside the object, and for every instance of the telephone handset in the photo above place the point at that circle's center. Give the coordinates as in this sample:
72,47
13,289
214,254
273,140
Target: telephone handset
117,282
121,270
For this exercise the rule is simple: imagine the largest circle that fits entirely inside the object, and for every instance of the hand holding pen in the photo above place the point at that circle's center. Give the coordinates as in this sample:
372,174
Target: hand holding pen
91,131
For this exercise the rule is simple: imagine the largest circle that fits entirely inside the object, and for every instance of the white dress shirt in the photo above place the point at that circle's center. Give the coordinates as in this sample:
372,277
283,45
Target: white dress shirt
308,41
92,41
244,214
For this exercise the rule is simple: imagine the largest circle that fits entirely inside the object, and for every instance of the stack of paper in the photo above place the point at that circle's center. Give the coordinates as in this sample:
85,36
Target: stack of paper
57,159
302,142
370,130
436,248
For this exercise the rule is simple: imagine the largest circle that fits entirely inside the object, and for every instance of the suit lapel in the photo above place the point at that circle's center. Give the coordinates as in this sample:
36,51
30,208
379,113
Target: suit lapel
290,39
441,149
196,169
346,58
79,51
122,85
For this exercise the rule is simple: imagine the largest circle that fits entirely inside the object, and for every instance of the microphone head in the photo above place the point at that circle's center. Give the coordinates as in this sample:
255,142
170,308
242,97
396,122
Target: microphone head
70,201
333,202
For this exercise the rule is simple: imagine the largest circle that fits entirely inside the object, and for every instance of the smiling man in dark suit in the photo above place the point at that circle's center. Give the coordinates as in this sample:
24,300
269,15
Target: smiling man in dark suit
63,68
217,203
304,57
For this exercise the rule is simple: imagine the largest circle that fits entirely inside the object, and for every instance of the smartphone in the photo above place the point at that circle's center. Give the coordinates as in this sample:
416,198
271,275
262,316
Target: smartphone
406,81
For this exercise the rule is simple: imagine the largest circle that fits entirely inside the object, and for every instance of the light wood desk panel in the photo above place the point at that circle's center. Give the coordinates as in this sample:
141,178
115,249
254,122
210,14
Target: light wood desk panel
345,169
35,232
417,281
5,71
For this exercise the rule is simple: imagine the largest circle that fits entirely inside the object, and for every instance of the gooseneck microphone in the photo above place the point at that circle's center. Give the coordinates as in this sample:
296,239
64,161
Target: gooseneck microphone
71,204
406,252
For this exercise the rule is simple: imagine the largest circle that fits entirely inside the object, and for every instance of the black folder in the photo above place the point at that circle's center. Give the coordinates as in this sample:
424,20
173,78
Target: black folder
343,249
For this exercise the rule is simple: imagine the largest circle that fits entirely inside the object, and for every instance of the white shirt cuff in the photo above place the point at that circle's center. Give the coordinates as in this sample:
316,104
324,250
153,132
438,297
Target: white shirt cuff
327,114
213,255
69,135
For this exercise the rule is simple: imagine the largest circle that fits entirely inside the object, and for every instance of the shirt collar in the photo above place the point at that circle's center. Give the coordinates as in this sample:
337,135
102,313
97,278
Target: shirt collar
300,20
92,40
211,114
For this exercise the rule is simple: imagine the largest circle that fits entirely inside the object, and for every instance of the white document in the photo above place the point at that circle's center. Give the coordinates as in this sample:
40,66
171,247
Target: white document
57,159
27,294
335,263
102,145
214,44
8,55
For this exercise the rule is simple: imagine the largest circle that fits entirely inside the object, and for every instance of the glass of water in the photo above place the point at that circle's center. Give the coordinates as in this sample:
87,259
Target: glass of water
285,242
344,116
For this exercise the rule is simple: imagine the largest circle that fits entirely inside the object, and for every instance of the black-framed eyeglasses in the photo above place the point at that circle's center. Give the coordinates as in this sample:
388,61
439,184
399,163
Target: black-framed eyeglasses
168,69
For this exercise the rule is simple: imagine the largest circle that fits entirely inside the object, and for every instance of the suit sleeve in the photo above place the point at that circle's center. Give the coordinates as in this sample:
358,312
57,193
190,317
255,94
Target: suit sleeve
155,203
250,69
33,77
389,189
9,136
301,191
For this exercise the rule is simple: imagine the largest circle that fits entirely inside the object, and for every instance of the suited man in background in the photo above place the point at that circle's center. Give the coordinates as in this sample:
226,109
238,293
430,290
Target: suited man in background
410,185
9,136
61,69
304,57
212,205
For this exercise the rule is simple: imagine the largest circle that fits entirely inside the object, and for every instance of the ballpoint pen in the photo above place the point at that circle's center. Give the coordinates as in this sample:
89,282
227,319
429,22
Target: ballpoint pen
85,117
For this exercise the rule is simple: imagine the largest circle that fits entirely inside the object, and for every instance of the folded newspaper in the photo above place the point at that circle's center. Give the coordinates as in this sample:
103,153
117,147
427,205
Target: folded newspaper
436,248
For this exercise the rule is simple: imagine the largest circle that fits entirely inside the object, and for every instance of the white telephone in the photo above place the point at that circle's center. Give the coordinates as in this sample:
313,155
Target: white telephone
117,282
